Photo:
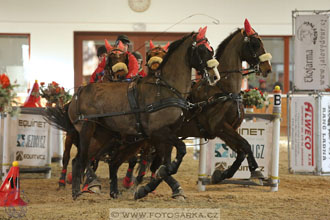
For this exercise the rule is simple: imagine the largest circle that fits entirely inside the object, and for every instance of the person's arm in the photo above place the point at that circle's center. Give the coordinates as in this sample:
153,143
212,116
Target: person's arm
133,66
99,69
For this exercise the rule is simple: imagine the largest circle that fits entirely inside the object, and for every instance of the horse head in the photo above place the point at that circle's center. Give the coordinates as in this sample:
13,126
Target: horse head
253,51
202,58
116,66
155,56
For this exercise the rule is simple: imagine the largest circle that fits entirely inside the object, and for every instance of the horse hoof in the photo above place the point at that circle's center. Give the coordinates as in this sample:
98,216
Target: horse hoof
257,174
161,172
140,193
75,195
114,195
178,194
216,177
127,183
95,189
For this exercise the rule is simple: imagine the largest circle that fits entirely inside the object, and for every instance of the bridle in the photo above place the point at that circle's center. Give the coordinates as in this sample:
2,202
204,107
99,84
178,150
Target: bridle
254,61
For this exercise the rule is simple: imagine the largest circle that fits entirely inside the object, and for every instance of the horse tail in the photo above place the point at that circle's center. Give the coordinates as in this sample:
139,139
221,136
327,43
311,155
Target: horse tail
59,118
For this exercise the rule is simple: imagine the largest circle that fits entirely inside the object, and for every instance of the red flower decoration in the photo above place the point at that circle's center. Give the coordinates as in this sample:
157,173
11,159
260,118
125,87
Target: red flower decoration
4,81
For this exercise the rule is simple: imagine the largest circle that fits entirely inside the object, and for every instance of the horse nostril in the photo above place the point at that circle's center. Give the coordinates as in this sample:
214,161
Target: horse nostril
269,71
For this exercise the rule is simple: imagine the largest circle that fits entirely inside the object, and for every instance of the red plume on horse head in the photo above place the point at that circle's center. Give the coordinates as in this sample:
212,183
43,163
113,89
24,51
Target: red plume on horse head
121,46
200,38
166,46
151,45
107,45
248,29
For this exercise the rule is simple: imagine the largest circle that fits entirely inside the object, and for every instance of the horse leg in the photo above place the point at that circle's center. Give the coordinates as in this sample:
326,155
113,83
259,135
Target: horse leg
156,162
92,184
237,142
172,168
142,170
145,190
80,162
127,181
113,169
66,159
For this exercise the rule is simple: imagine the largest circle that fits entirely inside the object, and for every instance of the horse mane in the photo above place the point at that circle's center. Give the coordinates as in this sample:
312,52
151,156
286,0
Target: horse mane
224,43
173,46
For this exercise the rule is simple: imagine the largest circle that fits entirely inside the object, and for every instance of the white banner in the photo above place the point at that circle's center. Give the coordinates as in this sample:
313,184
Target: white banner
325,133
303,110
29,140
311,70
258,134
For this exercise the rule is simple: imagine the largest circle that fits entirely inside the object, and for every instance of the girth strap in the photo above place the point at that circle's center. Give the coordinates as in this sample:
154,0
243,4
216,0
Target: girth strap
133,95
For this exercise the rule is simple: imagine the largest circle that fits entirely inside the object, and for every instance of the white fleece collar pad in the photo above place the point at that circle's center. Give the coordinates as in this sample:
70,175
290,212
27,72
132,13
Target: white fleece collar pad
119,66
265,57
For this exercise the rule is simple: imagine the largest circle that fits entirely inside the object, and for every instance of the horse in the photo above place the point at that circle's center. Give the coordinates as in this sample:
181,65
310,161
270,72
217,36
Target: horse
96,105
116,62
219,110
154,58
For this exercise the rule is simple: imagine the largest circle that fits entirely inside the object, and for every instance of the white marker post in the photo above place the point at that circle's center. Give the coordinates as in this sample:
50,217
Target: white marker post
202,165
276,138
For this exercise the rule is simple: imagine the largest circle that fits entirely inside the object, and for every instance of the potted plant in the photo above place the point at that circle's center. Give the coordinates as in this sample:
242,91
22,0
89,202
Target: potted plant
54,94
254,97
7,96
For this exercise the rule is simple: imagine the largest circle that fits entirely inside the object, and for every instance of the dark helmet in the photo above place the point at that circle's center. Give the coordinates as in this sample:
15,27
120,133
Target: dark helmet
101,50
123,38
137,55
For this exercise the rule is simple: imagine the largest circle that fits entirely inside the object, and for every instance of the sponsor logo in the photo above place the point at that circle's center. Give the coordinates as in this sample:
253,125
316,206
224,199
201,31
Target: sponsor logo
20,140
19,155
307,33
32,123
309,131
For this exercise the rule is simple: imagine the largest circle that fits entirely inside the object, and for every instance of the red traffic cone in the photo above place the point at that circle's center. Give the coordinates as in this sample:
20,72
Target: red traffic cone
33,100
9,190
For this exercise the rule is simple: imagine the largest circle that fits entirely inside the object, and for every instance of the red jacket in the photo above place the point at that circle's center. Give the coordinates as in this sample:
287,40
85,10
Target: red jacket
133,67
142,73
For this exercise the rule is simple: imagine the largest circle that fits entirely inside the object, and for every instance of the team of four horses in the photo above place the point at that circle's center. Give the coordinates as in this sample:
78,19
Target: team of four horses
121,119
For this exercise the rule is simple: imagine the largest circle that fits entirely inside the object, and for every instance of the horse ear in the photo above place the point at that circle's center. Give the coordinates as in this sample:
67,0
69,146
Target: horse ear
121,46
248,29
166,46
151,45
201,33
107,45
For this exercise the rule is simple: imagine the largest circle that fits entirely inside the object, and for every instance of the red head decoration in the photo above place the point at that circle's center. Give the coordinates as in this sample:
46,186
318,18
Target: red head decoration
248,29
121,46
166,46
151,45
107,45
201,38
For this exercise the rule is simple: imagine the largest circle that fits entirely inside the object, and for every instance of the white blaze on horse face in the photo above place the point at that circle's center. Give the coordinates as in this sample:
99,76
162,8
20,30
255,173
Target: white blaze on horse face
213,64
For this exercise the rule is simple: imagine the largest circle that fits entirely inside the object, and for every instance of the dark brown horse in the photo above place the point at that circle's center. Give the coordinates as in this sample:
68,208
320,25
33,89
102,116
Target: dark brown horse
115,69
93,107
219,110
154,58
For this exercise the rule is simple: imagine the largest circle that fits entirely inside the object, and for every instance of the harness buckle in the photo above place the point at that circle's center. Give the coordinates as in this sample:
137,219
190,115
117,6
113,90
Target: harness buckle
150,108
81,117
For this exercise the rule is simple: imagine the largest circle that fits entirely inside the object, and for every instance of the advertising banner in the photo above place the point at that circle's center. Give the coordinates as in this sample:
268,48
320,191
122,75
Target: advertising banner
302,126
325,133
29,140
258,134
311,70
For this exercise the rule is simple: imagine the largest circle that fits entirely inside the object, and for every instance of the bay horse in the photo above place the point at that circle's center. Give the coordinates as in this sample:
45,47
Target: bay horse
163,97
219,110
115,68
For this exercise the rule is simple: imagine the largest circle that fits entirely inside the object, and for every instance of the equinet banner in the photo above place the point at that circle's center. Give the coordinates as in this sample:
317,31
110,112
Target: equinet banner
29,140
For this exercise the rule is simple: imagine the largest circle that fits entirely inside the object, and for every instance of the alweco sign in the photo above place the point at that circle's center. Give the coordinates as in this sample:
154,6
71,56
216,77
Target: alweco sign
311,70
